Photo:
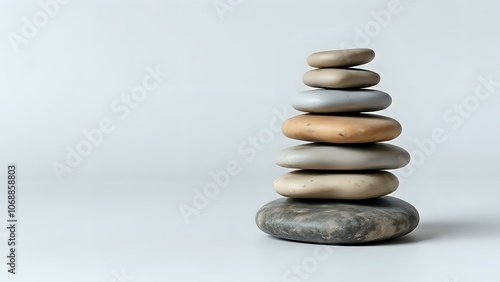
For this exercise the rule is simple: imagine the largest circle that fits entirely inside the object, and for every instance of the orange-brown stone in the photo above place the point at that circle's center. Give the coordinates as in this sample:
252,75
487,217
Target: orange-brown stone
360,128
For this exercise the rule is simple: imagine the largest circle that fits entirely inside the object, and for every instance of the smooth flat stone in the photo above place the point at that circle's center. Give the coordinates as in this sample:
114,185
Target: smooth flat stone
323,156
341,101
360,128
337,221
314,184
340,78
340,58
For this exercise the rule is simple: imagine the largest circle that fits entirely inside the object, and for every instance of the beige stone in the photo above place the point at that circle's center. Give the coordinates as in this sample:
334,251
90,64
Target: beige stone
340,78
313,184
340,58
359,128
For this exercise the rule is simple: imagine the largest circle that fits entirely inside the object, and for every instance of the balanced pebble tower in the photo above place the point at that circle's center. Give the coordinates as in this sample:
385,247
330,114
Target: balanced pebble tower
337,195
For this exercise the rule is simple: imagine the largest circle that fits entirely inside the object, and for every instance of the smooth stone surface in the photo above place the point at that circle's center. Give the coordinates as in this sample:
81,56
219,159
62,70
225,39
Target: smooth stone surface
359,128
323,156
337,221
340,101
313,184
340,58
340,78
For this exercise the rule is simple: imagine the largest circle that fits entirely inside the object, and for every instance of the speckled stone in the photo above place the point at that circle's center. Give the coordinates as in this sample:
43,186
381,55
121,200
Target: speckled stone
340,58
345,129
340,78
337,221
341,101
345,185
343,157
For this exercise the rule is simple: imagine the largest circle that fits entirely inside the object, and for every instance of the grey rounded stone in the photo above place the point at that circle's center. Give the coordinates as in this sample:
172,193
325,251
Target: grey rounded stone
323,156
340,101
337,221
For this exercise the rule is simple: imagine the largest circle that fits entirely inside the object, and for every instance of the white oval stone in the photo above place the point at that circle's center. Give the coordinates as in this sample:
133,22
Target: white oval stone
341,101
315,184
323,156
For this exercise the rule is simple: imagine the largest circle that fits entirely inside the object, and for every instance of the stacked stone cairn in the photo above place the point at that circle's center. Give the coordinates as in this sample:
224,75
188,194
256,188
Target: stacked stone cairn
337,195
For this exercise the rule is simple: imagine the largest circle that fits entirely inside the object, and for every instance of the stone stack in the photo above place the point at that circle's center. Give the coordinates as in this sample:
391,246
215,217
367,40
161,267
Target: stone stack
338,194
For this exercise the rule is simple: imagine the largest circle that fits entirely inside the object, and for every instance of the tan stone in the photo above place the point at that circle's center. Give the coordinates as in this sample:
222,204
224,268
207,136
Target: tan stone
340,58
313,184
340,78
360,128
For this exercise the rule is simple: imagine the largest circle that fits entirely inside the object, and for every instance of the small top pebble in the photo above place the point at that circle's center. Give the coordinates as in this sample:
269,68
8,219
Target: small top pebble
341,58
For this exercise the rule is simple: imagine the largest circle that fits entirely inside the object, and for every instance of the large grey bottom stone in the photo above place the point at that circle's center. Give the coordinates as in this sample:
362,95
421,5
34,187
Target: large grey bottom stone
337,221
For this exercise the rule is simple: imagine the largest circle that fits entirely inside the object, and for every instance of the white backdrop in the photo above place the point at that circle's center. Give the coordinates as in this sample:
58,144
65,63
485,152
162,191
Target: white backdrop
120,113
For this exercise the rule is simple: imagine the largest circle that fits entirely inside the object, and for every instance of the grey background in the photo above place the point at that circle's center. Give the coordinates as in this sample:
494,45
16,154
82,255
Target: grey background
118,211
